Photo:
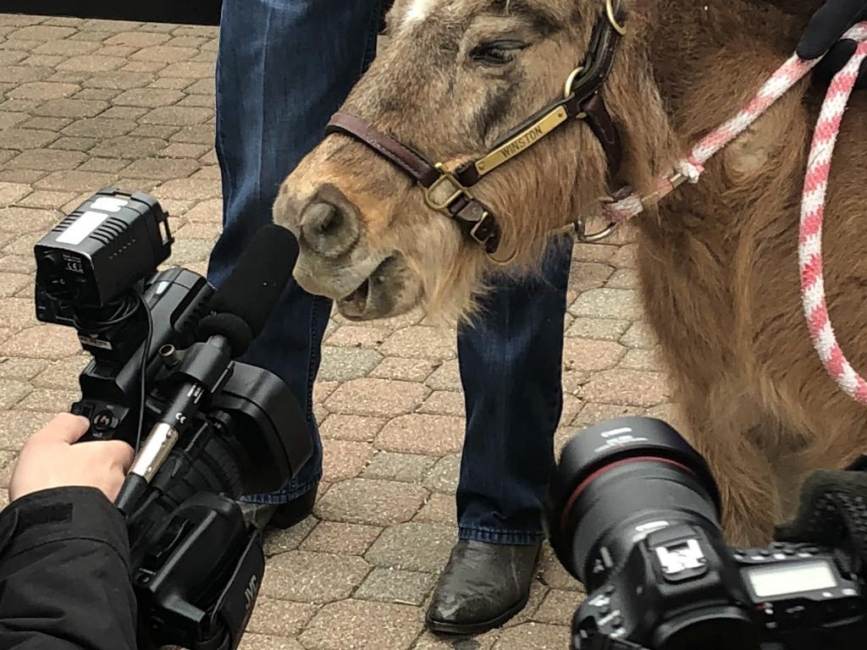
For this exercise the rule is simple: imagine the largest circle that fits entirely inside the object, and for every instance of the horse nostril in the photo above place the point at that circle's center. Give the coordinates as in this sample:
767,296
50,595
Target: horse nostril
328,229
321,219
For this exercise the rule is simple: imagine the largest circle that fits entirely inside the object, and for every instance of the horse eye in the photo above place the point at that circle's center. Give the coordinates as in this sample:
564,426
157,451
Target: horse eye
496,52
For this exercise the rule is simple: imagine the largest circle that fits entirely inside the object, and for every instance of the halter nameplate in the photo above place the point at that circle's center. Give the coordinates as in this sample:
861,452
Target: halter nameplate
522,141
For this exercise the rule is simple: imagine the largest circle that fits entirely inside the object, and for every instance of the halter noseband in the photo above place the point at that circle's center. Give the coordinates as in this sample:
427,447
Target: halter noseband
447,192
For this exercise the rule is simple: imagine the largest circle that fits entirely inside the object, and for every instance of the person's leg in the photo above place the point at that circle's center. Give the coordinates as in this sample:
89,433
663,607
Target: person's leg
511,365
510,362
283,68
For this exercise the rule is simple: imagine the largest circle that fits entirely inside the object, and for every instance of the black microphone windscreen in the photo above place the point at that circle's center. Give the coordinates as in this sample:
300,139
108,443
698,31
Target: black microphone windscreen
261,274
233,328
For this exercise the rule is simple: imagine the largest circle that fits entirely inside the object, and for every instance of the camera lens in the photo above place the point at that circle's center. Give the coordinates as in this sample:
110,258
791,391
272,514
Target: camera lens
616,483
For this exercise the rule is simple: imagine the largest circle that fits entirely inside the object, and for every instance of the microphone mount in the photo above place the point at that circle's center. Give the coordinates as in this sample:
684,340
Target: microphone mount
205,369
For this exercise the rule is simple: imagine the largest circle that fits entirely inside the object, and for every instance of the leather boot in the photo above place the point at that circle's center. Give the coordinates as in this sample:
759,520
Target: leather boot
482,587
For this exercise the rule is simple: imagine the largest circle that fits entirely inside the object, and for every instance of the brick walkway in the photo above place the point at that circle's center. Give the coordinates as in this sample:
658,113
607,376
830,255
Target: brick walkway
88,103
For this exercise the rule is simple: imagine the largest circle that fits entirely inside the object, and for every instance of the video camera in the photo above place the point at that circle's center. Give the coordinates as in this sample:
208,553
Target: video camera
634,515
162,346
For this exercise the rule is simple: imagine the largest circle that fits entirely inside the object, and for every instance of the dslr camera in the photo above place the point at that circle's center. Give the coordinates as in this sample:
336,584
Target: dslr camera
634,515
163,344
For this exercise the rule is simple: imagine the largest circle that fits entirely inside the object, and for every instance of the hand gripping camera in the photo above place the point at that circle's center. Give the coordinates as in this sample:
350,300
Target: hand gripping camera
163,344
635,516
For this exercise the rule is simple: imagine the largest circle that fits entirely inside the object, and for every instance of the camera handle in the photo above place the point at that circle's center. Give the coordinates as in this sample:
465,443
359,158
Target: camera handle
204,547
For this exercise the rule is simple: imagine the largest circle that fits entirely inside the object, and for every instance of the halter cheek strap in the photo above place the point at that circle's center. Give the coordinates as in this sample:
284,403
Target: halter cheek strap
443,192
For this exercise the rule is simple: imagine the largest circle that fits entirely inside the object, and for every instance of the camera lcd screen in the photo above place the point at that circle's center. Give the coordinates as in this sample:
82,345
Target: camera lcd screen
777,580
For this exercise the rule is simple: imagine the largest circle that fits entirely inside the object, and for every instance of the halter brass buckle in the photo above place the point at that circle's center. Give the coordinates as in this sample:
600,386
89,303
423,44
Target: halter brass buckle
567,88
458,190
480,223
612,18
584,237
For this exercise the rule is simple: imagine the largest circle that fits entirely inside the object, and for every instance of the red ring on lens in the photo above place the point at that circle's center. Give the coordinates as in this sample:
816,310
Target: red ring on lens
599,472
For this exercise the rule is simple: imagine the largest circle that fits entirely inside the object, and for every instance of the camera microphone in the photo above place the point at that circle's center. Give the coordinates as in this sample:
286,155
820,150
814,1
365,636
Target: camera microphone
241,306
239,310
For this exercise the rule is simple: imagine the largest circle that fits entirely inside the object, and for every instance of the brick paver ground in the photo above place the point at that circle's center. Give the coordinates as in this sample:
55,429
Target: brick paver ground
85,103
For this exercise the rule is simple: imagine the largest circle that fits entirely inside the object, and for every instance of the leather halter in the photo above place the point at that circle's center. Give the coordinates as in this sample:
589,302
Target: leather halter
447,191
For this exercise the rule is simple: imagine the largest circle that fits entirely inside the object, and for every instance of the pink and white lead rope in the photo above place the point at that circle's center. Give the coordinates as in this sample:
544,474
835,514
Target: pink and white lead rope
812,216
691,168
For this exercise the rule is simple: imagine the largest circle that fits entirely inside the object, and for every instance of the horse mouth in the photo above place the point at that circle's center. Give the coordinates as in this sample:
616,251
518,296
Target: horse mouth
357,300
379,295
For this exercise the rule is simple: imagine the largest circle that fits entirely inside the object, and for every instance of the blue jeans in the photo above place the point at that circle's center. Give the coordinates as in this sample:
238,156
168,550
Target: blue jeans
284,67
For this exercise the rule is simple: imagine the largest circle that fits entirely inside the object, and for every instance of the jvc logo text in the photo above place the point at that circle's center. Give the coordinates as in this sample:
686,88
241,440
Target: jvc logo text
251,591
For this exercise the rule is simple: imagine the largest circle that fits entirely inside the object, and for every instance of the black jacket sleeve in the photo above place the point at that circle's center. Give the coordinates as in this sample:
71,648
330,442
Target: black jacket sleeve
64,573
